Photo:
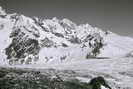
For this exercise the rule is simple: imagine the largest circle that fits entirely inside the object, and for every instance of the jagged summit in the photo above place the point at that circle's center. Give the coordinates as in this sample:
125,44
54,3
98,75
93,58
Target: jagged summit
2,12
26,40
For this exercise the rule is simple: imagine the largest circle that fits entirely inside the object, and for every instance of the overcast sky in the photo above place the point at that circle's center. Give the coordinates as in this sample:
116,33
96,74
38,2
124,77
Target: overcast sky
114,15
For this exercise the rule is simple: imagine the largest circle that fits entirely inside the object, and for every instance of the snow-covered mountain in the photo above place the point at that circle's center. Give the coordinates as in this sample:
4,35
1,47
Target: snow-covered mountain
26,40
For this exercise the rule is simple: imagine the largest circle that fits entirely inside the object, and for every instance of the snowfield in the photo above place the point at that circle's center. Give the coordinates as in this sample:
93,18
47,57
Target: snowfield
118,71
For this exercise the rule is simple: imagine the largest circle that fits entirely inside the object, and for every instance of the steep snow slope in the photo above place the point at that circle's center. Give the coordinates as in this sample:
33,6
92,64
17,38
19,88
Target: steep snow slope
26,40
117,46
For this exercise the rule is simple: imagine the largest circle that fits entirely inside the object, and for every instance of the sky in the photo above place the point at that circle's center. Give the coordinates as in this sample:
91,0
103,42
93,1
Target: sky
113,15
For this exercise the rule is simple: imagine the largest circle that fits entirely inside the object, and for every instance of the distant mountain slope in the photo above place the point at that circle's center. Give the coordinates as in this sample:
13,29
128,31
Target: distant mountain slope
26,40
117,46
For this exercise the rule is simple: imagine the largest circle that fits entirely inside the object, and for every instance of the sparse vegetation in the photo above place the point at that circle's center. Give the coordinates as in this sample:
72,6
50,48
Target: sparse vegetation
11,78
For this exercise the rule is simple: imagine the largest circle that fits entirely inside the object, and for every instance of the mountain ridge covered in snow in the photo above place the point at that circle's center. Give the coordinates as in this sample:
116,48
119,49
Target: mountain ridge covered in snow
26,40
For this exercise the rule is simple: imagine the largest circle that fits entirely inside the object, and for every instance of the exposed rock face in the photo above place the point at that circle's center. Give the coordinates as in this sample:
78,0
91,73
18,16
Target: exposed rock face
27,36
130,54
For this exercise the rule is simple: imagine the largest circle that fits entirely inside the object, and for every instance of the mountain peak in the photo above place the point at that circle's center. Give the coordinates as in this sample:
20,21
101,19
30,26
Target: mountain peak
55,19
67,21
2,11
37,40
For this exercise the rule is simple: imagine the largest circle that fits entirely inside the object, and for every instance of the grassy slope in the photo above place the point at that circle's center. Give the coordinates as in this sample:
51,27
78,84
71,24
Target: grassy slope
11,78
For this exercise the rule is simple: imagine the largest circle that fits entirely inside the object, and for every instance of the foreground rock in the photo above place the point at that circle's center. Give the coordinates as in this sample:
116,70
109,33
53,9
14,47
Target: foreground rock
11,78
